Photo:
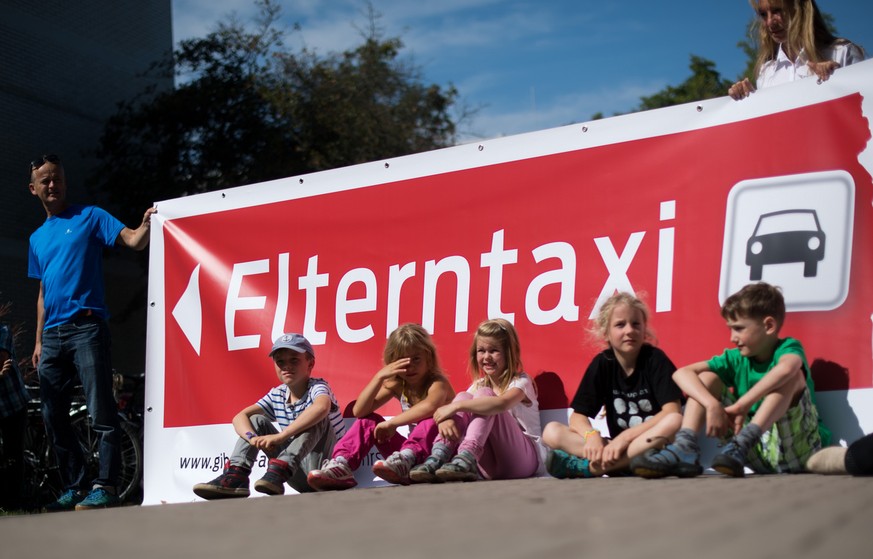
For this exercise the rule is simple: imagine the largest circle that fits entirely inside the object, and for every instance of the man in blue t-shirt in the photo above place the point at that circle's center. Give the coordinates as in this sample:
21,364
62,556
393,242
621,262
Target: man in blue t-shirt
72,336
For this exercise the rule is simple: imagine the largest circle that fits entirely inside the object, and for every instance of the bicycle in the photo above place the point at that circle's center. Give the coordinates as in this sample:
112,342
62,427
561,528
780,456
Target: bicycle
42,477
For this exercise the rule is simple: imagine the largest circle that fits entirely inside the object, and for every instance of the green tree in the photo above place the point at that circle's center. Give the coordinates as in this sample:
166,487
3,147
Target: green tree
705,83
248,109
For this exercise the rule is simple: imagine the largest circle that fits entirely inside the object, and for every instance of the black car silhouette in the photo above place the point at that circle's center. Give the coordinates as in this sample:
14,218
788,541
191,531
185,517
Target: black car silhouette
783,237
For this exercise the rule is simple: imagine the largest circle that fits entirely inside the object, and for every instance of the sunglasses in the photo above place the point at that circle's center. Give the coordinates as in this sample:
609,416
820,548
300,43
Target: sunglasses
42,160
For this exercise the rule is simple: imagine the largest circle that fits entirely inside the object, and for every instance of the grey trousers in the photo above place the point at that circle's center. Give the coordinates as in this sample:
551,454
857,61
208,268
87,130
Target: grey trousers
304,453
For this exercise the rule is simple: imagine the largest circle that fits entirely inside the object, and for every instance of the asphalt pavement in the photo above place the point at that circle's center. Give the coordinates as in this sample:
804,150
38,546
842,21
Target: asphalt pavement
711,516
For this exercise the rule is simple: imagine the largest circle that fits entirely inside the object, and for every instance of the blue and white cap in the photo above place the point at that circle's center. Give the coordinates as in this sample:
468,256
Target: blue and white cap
294,342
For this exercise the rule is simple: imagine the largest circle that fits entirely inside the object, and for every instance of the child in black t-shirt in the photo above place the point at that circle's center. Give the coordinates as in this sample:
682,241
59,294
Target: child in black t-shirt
632,379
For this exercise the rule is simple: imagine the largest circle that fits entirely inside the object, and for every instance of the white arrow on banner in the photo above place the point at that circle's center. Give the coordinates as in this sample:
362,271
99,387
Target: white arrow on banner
188,311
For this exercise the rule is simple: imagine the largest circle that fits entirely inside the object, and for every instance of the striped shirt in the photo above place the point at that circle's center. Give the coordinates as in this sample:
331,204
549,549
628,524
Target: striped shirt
277,407
13,396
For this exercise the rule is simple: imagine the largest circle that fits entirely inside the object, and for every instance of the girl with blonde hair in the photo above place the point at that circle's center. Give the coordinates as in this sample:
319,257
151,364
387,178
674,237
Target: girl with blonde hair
412,375
632,380
493,428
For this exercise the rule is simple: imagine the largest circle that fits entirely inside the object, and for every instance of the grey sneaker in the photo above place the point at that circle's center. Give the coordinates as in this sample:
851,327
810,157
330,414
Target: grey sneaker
730,461
669,461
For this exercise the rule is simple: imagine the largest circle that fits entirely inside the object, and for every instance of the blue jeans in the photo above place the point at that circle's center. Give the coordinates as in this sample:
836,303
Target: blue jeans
71,353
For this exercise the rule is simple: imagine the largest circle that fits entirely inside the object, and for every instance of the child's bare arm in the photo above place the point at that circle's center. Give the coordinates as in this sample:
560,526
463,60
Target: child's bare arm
437,394
487,405
317,410
688,380
592,445
376,393
789,367
241,422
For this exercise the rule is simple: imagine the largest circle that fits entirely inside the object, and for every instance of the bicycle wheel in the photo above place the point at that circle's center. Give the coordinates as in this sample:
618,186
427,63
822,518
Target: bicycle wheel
42,479
130,476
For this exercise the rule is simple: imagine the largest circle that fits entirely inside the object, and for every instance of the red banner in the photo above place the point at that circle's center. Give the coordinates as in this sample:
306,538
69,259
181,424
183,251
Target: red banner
538,240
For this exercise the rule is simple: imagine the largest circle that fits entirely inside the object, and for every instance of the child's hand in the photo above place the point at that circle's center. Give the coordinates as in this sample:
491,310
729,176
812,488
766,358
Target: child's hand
443,413
449,431
593,449
384,431
717,421
737,414
394,369
267,442
614,451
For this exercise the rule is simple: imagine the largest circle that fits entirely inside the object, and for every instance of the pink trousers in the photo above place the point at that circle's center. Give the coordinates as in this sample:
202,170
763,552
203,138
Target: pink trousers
501,448
360,438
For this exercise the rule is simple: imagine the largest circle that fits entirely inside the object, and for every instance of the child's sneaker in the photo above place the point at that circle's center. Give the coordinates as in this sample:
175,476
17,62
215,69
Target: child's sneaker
730,461
669,461
67,501
334,474
828,461
273,482
234,482
394,469
426,471
98,498
564,465
461,468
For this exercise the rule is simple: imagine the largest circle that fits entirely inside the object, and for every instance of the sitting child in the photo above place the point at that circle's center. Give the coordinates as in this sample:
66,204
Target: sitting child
308,416
412,375
761,392
633,380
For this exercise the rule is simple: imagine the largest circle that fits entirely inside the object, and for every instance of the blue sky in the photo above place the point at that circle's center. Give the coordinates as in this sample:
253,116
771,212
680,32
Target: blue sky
534,64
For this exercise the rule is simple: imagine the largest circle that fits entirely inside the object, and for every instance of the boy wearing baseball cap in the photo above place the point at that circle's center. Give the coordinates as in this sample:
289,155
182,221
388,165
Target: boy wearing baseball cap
309,419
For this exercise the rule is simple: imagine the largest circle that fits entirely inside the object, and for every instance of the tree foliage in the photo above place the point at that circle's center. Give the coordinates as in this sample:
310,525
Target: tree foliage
248,109
705,83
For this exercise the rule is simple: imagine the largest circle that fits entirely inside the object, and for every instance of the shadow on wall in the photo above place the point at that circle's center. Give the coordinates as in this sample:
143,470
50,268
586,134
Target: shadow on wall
837,413
550,391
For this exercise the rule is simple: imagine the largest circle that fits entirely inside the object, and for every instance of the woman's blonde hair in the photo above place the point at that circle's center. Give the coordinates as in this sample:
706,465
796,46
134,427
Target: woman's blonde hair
600,324
805,27
503,332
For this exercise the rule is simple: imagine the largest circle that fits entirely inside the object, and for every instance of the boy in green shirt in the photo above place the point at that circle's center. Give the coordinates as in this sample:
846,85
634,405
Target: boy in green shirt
761,392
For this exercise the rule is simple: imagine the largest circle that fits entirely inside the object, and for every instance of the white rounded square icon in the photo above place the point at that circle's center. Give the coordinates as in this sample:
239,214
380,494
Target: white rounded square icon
794,232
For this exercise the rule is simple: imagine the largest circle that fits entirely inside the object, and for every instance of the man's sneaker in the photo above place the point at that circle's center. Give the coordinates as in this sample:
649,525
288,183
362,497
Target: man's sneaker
98,498
273,482
67,501
564,465
394,469
669,461
426,471
730,461
334,474
234,482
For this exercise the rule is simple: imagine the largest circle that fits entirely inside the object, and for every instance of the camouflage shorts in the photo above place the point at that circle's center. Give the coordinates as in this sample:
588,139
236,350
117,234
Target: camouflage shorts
789,443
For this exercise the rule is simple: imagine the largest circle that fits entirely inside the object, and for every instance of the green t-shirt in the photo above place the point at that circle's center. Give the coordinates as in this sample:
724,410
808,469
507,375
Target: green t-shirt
741,373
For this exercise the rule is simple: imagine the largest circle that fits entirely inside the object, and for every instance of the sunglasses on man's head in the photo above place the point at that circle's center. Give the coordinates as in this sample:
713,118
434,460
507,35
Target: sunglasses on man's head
42,160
